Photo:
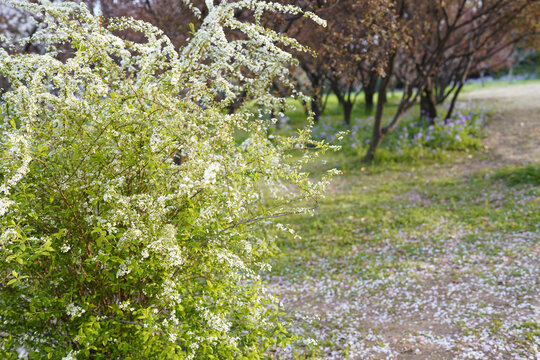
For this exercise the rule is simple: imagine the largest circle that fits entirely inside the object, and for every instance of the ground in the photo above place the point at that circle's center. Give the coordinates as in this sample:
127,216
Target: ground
433,261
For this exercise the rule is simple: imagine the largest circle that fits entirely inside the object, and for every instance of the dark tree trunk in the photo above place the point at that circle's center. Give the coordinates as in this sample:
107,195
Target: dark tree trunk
377,135
345,101
428,104
369,102
370,88
347,112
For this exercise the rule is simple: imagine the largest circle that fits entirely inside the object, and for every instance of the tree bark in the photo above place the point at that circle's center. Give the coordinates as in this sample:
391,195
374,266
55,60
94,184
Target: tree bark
428,104
377,135
370,88
345,102
347,112
369,101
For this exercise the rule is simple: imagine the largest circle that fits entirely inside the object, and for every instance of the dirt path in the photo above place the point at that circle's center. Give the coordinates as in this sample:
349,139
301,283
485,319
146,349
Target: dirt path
463,284
513,133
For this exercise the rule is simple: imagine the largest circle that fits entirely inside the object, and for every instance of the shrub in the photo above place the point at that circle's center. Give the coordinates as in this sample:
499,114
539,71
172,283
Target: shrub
463,131
130,217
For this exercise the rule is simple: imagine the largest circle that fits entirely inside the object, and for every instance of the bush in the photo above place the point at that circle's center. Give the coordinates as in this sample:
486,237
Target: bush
131,220
461,132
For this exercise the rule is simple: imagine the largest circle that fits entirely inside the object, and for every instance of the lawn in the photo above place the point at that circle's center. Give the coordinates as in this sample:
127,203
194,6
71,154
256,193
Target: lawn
428,259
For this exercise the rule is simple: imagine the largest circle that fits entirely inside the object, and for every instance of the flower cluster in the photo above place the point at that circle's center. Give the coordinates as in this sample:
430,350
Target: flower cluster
124,190
462,131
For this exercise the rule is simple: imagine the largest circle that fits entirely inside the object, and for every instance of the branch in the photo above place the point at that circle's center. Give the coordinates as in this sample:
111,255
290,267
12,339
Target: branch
259,218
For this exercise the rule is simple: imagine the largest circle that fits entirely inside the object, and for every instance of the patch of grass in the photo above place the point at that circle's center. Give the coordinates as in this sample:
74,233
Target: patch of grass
385,204
519,175
495,84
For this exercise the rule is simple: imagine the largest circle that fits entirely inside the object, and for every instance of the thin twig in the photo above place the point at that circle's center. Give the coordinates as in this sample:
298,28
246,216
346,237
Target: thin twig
259,218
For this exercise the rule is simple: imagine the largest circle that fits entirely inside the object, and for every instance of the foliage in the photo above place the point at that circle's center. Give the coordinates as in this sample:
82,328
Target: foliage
130,218
461,132
415,139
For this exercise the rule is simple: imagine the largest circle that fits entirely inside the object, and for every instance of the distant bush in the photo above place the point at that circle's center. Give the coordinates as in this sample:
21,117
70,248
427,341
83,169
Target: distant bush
414,138
130,219
461,132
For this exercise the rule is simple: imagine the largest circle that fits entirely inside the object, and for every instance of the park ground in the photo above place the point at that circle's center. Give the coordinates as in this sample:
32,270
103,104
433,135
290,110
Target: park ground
436,259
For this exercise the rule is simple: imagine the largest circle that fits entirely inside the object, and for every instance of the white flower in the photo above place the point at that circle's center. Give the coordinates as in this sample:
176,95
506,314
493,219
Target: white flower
211,172
71,355
123,269
5,203
74,310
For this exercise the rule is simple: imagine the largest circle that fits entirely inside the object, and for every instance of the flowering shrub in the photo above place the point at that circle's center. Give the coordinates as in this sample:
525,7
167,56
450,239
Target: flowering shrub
130,217
462,131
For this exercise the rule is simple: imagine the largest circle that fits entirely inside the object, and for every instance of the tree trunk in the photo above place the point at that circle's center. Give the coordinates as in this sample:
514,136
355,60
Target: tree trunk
369,101
345,103
453,103
370,88
347,112
511,74
377,135
428,104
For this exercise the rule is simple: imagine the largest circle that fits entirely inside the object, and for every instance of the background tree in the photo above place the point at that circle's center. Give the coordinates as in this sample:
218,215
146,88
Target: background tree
433,37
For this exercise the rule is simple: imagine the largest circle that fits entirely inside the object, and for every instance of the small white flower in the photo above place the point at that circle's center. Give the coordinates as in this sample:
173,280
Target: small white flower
65,248
74,310
71,355
5,203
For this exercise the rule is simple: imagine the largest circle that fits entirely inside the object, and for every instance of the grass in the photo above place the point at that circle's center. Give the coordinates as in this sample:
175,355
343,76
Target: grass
415,254
389,241
524,175
394,199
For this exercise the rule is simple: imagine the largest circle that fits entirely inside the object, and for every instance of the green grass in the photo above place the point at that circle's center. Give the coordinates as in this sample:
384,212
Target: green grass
519,175
496,84
375,199
408,210
386,201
